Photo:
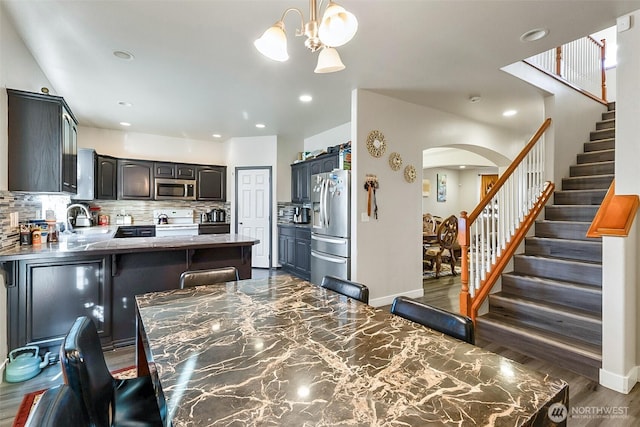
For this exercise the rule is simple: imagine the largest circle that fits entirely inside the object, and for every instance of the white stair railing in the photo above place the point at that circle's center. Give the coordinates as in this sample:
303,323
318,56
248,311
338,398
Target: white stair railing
489,236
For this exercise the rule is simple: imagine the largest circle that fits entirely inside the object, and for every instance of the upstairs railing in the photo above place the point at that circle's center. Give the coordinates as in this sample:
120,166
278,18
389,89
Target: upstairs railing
490,235
579,64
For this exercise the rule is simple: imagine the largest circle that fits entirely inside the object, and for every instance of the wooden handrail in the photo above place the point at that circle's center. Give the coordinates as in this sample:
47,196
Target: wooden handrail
512,167
470,305
615,215
509,251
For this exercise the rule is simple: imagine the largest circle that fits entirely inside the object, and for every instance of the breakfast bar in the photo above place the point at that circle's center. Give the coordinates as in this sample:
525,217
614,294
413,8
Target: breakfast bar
50,285
282,351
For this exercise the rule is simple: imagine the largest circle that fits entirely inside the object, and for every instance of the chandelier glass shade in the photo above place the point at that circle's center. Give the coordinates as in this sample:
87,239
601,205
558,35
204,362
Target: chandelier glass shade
336,28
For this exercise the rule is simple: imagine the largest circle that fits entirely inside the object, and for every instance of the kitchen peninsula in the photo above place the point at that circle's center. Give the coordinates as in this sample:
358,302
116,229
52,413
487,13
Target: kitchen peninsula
51,284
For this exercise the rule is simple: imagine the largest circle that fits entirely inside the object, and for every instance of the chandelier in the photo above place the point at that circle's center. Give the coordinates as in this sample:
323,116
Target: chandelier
337,27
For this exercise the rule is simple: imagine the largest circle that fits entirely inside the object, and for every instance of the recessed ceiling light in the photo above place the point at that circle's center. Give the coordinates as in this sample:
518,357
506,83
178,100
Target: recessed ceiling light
125,124
260,126
125,104
121,54
305,98
462,166
533,35
216,135
510,113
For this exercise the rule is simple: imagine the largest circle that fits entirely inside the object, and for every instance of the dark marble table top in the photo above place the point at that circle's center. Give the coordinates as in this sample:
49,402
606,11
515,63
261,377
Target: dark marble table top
282,351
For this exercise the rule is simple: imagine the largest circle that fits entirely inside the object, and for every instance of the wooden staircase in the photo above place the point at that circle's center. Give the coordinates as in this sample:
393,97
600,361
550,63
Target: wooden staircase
550,306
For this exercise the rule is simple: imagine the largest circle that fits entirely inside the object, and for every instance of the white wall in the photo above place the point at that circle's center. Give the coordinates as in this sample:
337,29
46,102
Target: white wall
387,253
451,206
573,115
334,136
621,275
254,151
134,145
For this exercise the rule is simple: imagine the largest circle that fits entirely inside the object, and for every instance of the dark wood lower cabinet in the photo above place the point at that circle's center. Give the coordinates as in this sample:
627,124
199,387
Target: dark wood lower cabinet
136,274
45,296
294,250
50,294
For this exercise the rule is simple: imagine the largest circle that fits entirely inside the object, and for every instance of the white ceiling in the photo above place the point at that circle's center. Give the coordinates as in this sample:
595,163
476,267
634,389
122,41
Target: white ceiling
196,71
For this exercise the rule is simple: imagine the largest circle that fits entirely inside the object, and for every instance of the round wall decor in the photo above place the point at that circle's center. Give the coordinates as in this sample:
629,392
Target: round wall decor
376,144
410,173
395,161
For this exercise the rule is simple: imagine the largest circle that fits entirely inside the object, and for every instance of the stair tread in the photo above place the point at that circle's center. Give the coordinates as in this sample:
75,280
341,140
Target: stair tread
594,163
574,241
555,282
572,345
572,312
583,190
558,259
597,176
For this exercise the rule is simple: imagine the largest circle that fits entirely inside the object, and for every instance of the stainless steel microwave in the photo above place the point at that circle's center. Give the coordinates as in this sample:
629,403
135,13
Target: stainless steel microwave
167,189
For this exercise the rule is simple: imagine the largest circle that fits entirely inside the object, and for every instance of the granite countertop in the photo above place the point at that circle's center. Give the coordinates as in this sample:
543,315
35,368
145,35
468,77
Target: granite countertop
101,241
282,351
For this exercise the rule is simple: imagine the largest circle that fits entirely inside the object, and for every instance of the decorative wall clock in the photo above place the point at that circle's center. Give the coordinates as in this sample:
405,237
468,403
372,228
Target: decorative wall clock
395,161
376,144
410,173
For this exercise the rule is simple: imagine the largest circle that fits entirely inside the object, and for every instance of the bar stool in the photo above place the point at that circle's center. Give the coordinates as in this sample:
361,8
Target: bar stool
208,277
452,324
348,288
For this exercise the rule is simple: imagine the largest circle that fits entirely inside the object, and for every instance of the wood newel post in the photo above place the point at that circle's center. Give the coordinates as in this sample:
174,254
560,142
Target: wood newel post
463,241
559,60
602,69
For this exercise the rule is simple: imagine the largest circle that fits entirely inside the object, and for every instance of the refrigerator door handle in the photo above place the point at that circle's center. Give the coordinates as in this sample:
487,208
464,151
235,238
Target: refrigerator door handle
328,240
326,258
326,202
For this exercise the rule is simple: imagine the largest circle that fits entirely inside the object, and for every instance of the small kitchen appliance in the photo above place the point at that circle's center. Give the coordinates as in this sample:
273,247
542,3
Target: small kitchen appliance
24,363
301,215
217,215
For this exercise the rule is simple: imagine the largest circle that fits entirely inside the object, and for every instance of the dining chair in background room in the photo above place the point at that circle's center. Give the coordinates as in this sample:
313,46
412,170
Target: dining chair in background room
452,324
104,398
347,288
208,277
58,406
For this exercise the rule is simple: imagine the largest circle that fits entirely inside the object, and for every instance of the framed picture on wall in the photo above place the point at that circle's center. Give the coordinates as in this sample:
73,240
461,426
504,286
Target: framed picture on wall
426,188
442,187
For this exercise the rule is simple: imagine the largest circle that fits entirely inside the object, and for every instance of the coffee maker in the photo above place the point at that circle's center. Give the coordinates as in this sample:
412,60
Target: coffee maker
301,215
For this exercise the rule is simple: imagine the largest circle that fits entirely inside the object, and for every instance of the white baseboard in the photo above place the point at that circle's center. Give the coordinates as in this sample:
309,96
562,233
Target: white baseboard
619,383
388,300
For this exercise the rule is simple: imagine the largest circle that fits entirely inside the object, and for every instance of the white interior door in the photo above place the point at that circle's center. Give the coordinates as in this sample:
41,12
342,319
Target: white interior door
254,212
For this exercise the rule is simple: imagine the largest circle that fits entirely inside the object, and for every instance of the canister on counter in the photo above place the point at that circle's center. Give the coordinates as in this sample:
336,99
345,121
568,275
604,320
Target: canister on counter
25,235
103,219
36,237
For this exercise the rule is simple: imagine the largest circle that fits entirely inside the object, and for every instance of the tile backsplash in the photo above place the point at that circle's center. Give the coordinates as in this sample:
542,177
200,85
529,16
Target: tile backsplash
32,206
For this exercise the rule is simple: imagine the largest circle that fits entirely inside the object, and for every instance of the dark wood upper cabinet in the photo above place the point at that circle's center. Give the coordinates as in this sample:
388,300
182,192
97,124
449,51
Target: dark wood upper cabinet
135,180
106,178
212,183
301,173
42,139
174,170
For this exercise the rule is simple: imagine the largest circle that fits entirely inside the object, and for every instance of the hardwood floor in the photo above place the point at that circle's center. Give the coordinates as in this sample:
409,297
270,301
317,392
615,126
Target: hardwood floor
587,398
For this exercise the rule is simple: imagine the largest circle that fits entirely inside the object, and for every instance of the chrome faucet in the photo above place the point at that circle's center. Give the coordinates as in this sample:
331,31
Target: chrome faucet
69,227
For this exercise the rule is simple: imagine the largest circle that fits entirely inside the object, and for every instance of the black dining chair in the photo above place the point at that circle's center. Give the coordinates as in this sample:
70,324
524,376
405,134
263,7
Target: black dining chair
207,277
106,401
452,324
58,406
348,288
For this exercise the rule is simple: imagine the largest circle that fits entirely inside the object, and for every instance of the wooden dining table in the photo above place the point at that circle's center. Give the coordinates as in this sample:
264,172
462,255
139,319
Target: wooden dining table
282,351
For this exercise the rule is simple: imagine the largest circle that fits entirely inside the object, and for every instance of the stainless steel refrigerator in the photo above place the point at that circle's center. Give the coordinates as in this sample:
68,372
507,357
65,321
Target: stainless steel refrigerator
331,231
